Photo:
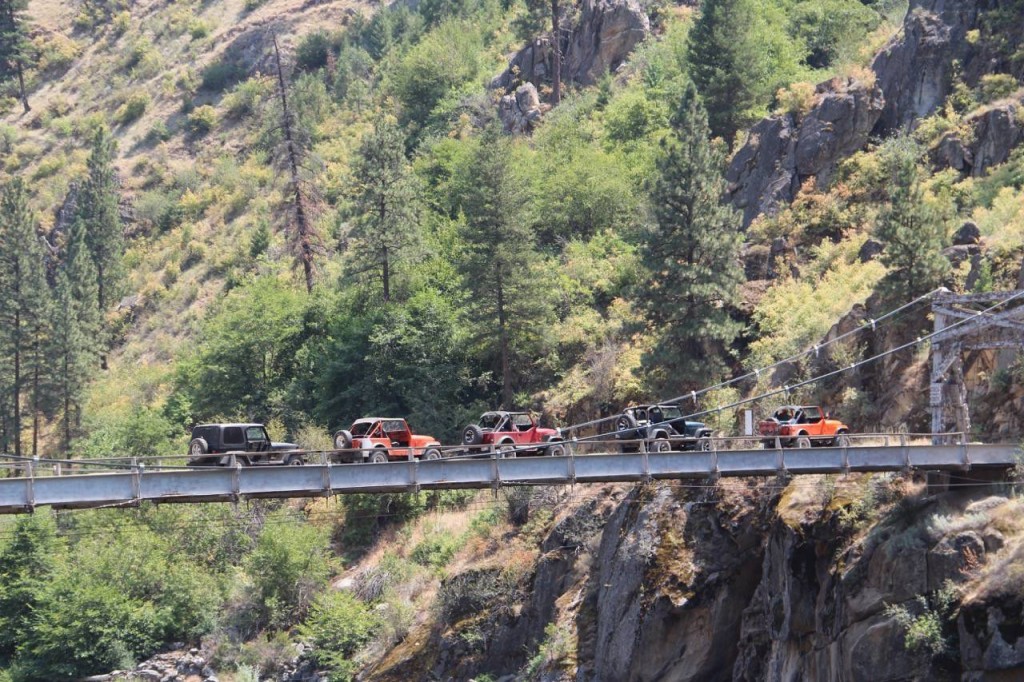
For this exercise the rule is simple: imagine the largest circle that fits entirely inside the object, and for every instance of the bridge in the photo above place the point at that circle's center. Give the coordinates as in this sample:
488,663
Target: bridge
130,482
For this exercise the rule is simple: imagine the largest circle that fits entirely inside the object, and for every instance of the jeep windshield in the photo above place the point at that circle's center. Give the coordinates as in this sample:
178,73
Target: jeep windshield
491,421
663,413
362,428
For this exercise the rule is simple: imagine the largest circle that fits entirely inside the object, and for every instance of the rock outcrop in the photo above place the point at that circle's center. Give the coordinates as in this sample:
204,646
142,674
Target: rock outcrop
912,76
991,134
521,110
606,33
783,151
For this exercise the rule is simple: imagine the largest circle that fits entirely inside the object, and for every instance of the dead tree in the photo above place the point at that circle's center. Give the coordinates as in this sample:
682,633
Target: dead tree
302,236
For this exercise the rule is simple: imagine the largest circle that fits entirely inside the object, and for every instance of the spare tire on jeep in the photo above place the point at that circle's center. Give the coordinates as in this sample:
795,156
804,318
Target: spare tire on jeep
473,435
342,440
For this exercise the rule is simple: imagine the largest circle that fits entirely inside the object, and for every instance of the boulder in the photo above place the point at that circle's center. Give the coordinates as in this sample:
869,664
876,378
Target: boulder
952,556
520,111
606,33
870,250
967,235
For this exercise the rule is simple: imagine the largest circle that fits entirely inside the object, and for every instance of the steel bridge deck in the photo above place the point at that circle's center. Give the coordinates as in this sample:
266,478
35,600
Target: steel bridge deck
23,494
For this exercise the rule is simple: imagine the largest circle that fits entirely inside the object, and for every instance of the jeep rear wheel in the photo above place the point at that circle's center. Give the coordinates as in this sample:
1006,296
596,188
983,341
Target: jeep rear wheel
379,456
431,454
472,435
555,450
507,451
803,442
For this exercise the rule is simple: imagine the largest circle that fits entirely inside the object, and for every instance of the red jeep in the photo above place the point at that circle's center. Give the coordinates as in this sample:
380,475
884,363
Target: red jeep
803,426
509,432
382,439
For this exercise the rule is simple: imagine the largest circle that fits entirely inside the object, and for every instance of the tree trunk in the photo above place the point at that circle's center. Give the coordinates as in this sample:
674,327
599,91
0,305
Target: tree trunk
35,393
506,370
387,276
304,239
21,87
67,404
17,383
556,41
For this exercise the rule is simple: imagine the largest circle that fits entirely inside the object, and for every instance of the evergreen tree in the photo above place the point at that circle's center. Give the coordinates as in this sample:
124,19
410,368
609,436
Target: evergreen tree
14,46
730,63
386,199
99,210
500,265
692,255
911,230
23,294
76,329
26,565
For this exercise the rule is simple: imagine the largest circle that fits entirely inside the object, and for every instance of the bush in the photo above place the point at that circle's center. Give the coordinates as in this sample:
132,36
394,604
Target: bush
202,120
247,96
475,591
311,54
995,86
797,99
436,550
338,626
290,564
219,76
133,108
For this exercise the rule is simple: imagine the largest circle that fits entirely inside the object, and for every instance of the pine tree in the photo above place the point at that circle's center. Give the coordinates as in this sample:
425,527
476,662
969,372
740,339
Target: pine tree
692,255
500,265
386,198
74,344
26,566
23,295
14,46
911,230
99,210
728,66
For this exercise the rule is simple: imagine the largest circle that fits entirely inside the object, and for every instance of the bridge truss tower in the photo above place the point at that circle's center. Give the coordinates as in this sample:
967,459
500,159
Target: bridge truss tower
974,330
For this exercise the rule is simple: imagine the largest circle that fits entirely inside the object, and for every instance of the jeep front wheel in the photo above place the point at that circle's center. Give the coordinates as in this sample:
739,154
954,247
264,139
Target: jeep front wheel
379,457
803,442
431,454
555,450
843,440
294,460
704,444
661,445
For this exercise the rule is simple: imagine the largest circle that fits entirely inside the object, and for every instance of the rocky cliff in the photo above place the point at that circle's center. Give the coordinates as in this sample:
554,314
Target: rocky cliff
839,578
942,43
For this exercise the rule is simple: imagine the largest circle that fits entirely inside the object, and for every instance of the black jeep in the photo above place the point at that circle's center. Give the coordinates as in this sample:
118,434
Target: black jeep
661,428
214,444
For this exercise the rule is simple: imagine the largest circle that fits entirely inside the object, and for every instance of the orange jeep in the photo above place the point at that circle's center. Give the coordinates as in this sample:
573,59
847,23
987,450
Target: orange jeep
803,426
382,439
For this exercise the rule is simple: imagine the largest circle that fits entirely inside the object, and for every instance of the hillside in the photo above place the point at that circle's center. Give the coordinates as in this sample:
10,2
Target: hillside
433,227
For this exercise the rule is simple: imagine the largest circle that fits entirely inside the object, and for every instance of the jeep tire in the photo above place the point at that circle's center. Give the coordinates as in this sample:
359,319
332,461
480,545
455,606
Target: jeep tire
431,454
661,445
473,435
555,450
379,456
342,440
294,460
803,442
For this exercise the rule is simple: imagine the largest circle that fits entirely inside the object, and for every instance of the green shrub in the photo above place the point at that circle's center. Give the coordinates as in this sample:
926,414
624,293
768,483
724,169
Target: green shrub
436,550
246,97
250,5
996,86
202,120
311,54
133,108
338,626
221,75
631,116
290,564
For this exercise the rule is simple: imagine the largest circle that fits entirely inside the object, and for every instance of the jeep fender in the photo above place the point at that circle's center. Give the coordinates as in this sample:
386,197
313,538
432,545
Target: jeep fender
704,433
660,433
